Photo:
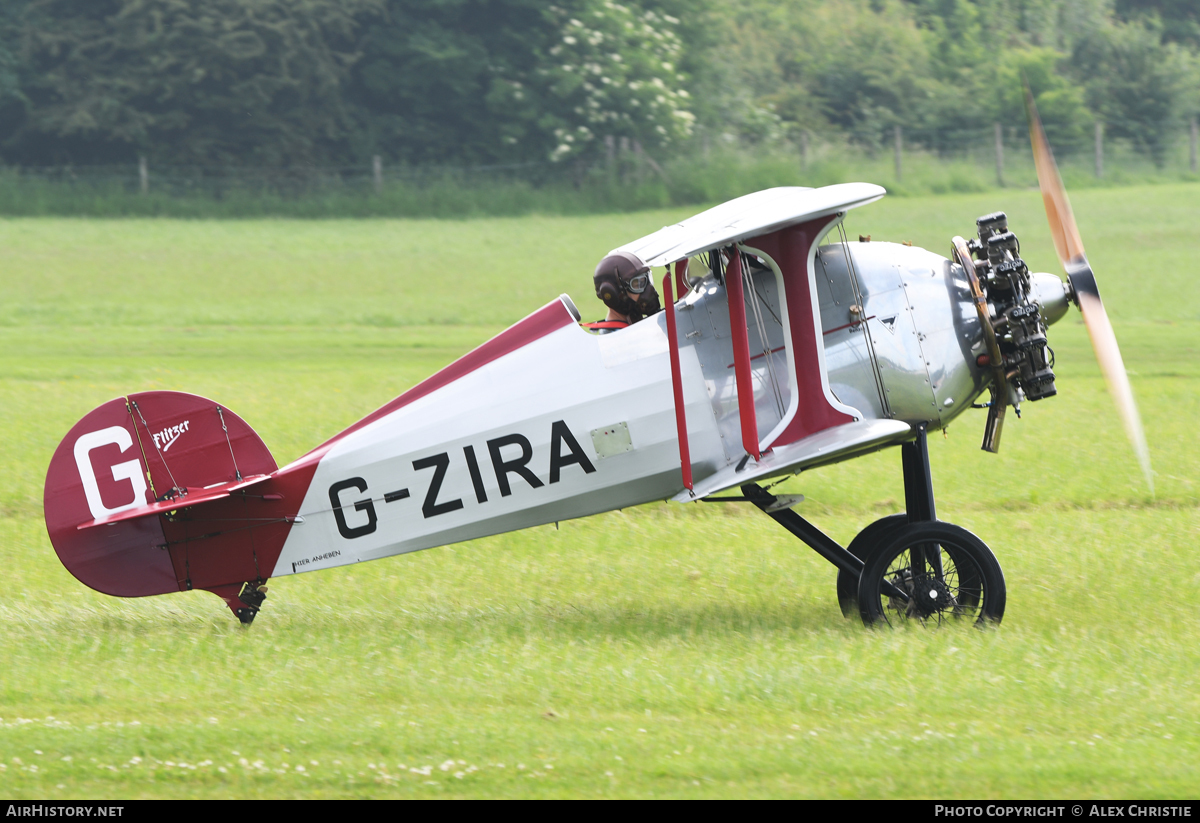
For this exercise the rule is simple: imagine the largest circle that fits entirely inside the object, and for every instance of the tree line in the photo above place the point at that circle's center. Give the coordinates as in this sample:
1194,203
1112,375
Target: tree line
294,83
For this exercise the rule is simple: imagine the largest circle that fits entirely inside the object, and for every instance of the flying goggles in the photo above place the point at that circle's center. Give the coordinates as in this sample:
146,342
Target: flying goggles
636,284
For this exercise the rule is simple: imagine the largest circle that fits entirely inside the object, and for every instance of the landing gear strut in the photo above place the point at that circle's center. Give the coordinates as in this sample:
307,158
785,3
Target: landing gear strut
906,566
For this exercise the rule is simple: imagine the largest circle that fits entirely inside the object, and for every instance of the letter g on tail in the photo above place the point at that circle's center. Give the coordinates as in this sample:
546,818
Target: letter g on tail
130,470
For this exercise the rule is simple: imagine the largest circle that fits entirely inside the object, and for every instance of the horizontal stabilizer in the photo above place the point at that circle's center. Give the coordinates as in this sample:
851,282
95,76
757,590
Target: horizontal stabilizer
187,497
827,446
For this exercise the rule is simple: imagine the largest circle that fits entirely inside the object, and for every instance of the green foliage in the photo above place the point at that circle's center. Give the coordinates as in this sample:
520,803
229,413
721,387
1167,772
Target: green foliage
1180,18
872,68
446,81
11,68
1138,85
230,81
942,69
845,63
302,83
9,45
614,73
513,80
1060,103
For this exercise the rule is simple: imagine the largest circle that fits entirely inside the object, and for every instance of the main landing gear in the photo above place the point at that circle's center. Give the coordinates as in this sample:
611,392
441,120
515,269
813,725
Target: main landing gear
906,566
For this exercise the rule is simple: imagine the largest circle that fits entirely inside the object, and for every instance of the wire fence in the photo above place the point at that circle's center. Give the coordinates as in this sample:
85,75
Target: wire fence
220,181
1118,150
621,176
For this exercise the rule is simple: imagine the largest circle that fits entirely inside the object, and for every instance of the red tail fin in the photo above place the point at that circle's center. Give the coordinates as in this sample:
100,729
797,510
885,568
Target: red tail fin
127,463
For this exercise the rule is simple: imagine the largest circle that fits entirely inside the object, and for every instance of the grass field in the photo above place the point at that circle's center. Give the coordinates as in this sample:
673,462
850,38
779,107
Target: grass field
666,651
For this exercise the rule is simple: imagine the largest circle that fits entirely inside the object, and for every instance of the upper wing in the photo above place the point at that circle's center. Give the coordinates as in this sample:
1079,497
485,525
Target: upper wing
754,214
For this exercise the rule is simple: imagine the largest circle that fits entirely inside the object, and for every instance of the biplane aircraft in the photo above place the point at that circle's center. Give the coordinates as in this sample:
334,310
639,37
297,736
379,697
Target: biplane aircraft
789,347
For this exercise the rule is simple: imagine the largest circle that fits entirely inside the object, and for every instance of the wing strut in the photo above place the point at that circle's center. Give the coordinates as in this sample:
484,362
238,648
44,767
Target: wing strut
741,354
685,458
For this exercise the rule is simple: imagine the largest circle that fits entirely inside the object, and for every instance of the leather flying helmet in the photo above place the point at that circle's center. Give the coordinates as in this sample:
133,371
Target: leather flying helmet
624,284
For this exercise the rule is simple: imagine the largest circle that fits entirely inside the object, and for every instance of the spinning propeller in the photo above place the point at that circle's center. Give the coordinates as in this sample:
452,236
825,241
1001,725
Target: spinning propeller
1069,246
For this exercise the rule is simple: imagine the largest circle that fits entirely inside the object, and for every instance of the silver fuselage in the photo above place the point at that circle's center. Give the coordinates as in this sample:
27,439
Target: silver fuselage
907,357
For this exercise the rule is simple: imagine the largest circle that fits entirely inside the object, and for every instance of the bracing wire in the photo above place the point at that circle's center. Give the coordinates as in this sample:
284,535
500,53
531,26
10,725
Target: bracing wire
861,300
748,279
174,485
236,471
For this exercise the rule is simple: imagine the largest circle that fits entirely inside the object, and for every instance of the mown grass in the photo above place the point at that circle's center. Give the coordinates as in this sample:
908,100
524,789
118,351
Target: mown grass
661,651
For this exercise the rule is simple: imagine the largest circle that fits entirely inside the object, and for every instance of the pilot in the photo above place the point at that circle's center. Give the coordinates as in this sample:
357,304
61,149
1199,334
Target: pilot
623,282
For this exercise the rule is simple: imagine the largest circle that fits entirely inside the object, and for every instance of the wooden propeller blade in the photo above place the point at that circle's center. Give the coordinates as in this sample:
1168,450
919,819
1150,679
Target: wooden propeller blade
1067,242
1069,246
1104,343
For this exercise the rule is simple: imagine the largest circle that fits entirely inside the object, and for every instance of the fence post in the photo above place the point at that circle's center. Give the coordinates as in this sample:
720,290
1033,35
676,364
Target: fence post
999,155
377,173
610,159
623,159
143,174
1099,149
899,151
1195,134
804,149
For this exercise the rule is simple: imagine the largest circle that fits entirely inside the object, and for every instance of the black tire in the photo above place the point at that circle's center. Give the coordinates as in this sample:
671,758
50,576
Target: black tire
971,586
860,547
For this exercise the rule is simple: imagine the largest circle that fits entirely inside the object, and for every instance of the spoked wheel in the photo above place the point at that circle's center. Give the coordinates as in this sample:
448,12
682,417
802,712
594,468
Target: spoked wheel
934,573
860,547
